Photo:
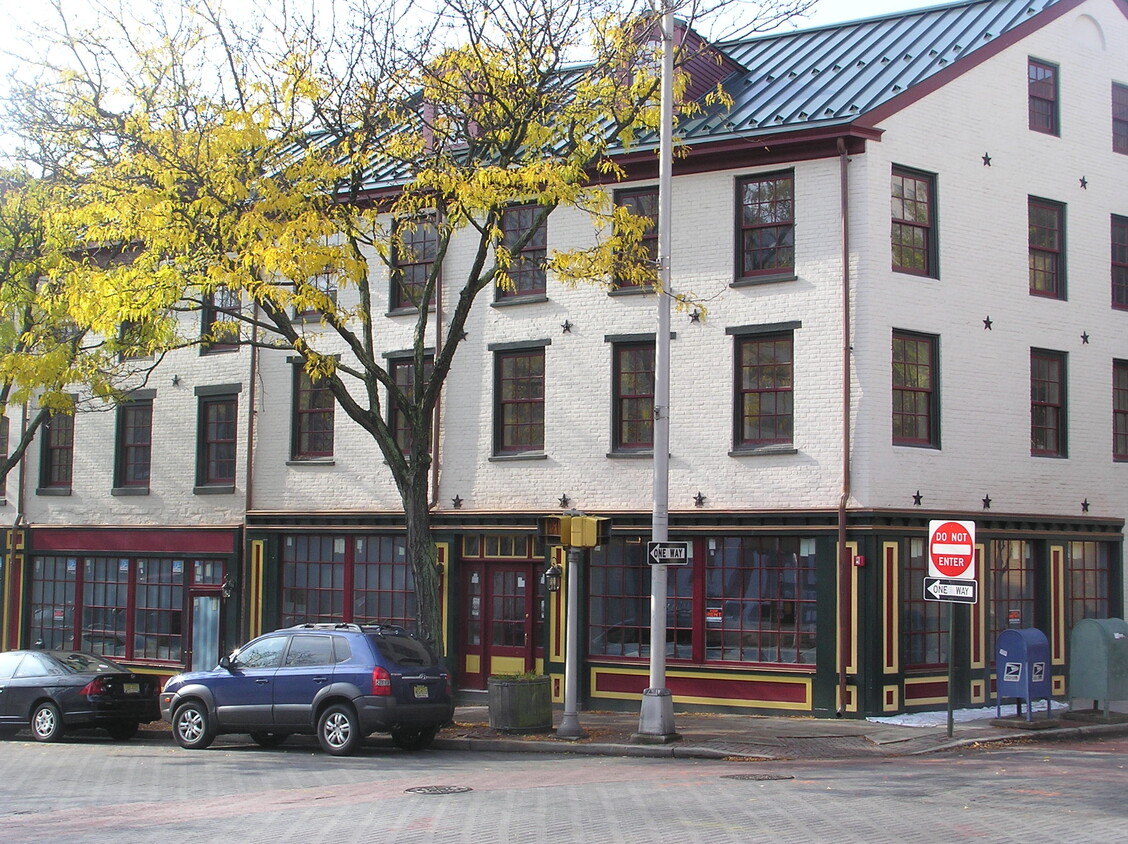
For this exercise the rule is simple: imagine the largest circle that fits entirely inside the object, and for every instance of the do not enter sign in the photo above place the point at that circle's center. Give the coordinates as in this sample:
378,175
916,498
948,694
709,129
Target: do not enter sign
951,549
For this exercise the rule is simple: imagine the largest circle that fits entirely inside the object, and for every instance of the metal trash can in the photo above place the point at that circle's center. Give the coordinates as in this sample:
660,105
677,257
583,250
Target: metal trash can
1098,661
1022,669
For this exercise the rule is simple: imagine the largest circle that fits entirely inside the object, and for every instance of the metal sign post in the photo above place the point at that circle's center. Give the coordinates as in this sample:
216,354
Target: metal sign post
951,570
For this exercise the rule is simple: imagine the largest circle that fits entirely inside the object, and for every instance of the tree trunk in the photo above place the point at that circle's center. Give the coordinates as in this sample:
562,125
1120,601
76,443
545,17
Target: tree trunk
422,552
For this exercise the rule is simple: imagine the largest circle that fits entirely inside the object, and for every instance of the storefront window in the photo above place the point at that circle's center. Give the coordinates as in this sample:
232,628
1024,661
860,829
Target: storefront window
924,624
1012,586
753,601
1088,582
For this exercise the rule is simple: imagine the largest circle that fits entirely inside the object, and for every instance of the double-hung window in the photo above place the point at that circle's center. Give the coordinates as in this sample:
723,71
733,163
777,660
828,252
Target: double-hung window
312,425
913,210
1120,410
1120,118
1119,262
1042,79
318,295
1047,403
134,445
766,225
402,370
57,455
219,326
217,437
764,380
518,400
526,269
1046,248
633,395
640,264
415,248
916,405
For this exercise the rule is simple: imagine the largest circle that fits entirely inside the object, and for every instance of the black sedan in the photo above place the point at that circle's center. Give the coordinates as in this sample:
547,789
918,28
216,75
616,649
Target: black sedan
52,691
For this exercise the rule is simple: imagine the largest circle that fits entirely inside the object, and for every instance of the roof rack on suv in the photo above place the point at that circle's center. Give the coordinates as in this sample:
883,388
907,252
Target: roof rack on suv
327,625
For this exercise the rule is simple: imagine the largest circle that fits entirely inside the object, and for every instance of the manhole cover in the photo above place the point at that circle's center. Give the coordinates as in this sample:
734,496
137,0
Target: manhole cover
438,789
758,777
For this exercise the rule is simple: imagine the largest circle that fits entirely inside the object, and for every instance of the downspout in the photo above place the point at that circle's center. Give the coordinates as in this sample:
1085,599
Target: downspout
844,563
249,498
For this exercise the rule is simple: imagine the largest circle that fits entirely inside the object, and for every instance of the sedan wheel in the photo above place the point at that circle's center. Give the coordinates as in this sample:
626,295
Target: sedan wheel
191,726
338,730
46,723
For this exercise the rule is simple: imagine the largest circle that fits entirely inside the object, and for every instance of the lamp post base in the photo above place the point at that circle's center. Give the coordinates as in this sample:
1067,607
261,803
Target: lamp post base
656,718
570,727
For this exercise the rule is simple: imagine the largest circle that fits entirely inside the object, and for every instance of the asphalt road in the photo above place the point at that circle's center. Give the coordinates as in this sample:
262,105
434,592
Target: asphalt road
88,789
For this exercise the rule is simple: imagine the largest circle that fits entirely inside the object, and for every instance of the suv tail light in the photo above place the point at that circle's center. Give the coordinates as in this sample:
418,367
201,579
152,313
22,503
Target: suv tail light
381,681
94,687
449,685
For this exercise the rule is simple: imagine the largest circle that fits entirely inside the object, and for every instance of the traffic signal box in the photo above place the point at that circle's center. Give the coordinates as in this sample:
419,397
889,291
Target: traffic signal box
576,531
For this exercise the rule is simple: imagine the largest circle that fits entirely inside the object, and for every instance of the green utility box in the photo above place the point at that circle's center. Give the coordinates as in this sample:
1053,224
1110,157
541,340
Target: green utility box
1098,660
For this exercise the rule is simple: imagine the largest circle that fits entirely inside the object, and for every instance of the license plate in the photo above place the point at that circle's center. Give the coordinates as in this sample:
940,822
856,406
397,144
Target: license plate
133,688
421,692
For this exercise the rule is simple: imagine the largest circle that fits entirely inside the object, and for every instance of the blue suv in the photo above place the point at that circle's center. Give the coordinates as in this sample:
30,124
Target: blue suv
339,681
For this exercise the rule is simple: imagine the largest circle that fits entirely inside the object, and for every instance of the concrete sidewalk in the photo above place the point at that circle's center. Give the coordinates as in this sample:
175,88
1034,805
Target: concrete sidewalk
755,737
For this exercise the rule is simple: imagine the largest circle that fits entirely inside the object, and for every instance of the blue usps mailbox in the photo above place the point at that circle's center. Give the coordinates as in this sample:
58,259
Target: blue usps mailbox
1022,668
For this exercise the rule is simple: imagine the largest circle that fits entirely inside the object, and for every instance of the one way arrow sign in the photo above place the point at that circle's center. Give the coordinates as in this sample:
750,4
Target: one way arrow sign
954,591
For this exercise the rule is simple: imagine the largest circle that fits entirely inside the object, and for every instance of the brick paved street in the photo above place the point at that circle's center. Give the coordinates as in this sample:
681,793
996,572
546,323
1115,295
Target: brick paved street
90,789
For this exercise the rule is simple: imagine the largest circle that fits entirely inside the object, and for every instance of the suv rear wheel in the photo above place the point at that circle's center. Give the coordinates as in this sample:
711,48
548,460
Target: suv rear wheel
338,730
192,727
415,739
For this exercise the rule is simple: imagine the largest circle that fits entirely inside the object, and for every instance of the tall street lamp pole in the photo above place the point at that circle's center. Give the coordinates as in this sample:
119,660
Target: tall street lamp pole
656,718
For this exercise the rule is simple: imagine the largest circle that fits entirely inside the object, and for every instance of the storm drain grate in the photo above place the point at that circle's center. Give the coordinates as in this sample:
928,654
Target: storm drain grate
438,789
758,777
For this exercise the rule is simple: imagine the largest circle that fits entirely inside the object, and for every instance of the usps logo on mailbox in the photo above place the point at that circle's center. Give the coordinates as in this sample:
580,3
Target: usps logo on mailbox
951,549
1038,672
1012,673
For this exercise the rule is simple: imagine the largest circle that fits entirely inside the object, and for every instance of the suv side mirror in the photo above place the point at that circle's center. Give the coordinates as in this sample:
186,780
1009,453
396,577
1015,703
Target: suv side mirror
225,662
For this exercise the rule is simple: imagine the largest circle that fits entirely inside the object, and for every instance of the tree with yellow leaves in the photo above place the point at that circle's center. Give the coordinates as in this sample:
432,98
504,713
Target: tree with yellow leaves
266,160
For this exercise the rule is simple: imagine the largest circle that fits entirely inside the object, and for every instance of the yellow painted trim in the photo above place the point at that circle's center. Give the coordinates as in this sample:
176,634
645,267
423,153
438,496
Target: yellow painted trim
1058,685
254,588
442,557
556,683
891,698
977,695
507,665
979,611
919,681
852,665
891,592
743,703
473,663
1057,602
556,615
851,699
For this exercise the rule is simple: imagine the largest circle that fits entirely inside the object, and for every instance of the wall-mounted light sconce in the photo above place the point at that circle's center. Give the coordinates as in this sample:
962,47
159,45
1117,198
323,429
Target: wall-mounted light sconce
552,578
228,587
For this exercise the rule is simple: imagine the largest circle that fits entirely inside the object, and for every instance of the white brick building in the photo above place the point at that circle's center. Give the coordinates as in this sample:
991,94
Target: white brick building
1010,408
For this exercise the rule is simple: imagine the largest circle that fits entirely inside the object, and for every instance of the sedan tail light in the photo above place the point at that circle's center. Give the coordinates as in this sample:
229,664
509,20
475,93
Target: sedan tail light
381,681
94,687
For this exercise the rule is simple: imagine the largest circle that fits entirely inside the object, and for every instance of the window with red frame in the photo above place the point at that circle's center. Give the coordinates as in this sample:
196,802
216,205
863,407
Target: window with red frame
403,373
766,208
764,390
1120,118
57,462
913,226
321,285
633,386
1120,410
1088,581
519,401
1012,585
413,260
1047,403
1047,248
642,202
334,578
1042,79
134,443
924,623
313,417
1120,262
526,271
915,397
